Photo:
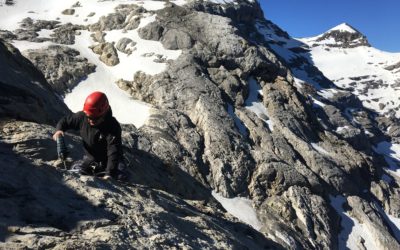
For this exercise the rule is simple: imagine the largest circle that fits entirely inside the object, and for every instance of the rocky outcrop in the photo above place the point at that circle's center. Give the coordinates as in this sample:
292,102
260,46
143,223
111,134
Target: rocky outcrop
98,36
26,95
65,34
7,35
168,30
62,67
127,16
29,28
310,215
62,34
126,45
108,53
393,67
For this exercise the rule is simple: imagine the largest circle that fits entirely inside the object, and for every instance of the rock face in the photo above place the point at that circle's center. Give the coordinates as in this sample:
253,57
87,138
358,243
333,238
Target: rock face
84,212
26,95
62,67
203,135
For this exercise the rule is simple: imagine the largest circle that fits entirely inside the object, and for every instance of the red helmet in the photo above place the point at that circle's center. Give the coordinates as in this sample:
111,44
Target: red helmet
96,104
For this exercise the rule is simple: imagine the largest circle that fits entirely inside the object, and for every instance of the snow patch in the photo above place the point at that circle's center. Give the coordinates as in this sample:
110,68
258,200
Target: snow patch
320,149
241,208
317,103
391,153
342,129
45,33
344,27
255,105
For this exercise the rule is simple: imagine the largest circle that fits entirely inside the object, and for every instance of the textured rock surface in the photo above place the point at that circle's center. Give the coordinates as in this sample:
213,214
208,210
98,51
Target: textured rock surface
25,94
125,45
45,207
108,53
62,67
127,16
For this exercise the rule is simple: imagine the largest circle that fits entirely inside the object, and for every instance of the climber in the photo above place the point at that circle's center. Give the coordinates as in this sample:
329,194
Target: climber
101,136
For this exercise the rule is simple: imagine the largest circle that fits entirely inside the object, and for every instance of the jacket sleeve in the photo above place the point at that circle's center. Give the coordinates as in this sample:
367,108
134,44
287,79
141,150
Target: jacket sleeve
72,121
114,151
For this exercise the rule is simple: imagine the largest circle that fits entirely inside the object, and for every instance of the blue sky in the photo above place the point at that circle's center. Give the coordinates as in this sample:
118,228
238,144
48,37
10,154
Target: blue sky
379,20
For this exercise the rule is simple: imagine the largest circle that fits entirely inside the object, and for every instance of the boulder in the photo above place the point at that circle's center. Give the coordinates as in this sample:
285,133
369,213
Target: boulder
68,12
108,53
125,45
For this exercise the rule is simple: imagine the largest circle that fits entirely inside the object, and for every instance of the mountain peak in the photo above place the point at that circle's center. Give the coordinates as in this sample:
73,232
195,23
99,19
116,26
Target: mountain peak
344,36
344,27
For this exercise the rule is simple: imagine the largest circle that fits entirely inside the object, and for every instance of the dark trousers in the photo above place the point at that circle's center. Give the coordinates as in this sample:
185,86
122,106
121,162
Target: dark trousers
89,166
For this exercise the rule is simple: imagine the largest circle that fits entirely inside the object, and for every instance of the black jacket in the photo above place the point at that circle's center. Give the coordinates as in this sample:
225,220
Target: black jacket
102,143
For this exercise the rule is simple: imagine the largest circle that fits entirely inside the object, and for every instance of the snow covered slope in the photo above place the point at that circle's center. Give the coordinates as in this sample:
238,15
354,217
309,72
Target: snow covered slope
371,74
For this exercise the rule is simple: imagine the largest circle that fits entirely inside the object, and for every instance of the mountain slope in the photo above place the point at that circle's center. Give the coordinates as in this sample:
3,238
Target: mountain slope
371,74
237,109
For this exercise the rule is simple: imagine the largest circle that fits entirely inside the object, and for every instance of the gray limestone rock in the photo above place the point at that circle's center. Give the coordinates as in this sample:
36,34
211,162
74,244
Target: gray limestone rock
176,39
386,192
153,31
98,36
110,22
394,131
83,211
62,67
65,34
7,35
125,45
108,53
126,16
305,220
25,93
29,29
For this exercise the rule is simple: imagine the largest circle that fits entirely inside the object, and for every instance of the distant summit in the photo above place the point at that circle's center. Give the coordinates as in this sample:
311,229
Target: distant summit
344,27
343,36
